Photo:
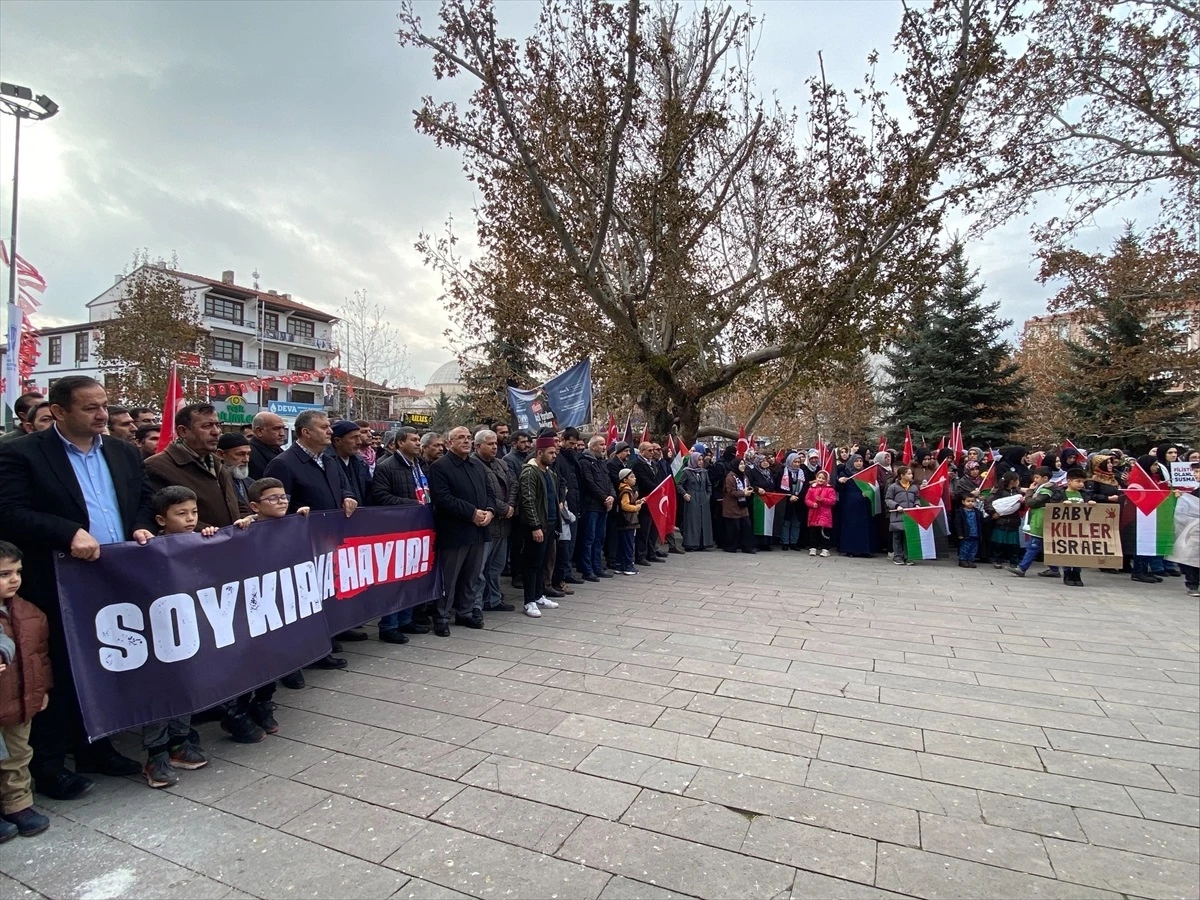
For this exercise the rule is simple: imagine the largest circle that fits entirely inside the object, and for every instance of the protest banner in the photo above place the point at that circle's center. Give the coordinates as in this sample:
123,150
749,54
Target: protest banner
185,622
562,402
1183,476
1083,536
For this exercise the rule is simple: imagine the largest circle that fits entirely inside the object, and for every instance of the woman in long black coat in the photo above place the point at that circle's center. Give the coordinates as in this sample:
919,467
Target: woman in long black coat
858,532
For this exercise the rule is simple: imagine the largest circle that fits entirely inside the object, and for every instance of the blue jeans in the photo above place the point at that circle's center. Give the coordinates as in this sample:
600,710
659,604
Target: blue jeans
968,549
1032,550
628,538
591,536
392,621
791,532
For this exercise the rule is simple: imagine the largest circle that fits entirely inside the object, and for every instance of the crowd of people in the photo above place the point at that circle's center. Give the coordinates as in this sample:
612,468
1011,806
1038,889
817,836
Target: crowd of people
522,521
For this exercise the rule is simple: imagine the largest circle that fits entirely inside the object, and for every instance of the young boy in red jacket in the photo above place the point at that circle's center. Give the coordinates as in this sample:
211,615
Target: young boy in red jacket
24,692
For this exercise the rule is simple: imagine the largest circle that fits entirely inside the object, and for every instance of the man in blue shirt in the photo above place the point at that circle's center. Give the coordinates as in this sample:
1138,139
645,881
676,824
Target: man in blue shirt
70,489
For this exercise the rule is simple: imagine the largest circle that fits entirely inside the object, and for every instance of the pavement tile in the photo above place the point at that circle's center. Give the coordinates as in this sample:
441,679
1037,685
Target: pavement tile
879,757
1140,835
271,800
546,784
1183,781
912,793
550,749
1037,816
534,826
809,885
989,844
752,711
675,864
482,867
825,809
869,731
1123,872
1098,768
355,827
813,849
1001,753
684,722
767,737
374,782
1163,807
683,817
620,888
937,877
1117,748
418,889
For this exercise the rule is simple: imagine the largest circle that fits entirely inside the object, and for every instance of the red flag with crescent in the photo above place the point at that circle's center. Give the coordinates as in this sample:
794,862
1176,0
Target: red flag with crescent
661,503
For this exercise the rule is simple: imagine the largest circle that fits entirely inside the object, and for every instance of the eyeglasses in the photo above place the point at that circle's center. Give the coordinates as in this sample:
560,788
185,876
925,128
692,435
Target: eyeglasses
275,498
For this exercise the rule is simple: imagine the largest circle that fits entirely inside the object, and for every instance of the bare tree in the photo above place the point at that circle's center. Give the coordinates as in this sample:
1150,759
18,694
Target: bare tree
642,204
372,354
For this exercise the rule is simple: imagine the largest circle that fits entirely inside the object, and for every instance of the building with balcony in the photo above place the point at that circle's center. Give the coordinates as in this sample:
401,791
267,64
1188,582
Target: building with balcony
253,335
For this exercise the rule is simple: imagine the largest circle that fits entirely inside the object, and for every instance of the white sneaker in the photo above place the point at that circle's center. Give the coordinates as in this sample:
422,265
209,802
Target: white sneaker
546,603
824,552
812,551
531,609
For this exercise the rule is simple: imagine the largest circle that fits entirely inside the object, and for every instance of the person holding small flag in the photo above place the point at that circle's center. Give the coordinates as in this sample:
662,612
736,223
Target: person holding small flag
857,534
902,494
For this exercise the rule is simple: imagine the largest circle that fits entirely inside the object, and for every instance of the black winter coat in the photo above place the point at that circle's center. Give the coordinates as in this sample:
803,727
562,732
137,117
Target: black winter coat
260,457
593,482
394,483
459,487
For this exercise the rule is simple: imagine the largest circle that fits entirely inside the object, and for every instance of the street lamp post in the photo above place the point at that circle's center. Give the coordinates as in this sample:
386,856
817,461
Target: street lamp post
19,103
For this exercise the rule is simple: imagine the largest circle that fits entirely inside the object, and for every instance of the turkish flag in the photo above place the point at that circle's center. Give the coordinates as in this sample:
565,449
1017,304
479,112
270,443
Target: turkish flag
661,503
742,443
612,435
171,405
906,457
1143,491
933,493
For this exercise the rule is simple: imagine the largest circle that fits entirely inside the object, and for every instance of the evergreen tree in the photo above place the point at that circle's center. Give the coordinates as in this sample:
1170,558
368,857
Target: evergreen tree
952,365
1132,376
490,368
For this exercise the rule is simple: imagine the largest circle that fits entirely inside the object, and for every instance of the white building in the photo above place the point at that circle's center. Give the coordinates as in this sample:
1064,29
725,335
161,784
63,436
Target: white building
254,335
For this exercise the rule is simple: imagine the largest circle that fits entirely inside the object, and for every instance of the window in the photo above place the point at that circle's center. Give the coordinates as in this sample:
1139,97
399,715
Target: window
301,327
83,341
55,350
298,363
221,308
304,397
270,321
272,394
270,360
226,351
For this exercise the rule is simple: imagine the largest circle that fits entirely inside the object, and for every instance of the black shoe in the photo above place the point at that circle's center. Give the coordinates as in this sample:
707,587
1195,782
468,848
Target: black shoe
64,785
8,831
263,713
591,578
785,547
677,551
335,646
1144,579
1047,573
518,583
442,629
469,621
604,573
414,628
393,637
242,729
963,564
641,562
102,758
294,681
1172,573
658,554
571,579
352,636
28,821
1156,578
554,593
328,662
1111,571
1077,582
500,607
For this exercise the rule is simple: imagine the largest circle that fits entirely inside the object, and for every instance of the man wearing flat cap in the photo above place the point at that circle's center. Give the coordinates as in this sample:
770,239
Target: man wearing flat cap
343,451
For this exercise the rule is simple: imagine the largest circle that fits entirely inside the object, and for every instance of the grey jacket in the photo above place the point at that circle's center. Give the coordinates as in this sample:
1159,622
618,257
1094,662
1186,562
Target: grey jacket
896,499
505,485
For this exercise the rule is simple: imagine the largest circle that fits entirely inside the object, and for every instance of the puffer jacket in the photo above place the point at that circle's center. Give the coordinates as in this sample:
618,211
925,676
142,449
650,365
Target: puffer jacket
899,498
820,500
25,685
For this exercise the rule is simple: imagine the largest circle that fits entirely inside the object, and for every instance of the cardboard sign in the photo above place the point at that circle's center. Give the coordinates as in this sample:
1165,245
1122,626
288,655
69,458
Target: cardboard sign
1183,476
1089,537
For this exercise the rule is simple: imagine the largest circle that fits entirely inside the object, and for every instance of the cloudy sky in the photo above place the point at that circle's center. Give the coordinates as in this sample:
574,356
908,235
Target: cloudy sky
278,136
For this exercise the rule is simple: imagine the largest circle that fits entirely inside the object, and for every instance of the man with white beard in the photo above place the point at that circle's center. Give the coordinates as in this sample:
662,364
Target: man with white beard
234,452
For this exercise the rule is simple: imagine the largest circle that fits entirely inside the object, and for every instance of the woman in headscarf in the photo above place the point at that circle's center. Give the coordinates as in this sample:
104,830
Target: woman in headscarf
735,509
1166,454
1015,459
793,482
761,479
858,535
923,465
695,494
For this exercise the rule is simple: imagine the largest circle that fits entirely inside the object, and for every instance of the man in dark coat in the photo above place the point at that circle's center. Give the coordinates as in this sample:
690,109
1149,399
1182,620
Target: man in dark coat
312,479
646,542
567,467
400,480
617,457
495,551
464,506
191,462
343,451
270,434
598,498
69,489
522,446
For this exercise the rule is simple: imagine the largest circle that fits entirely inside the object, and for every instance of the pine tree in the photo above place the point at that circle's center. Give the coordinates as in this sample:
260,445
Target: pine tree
490,368
952,365
1131,374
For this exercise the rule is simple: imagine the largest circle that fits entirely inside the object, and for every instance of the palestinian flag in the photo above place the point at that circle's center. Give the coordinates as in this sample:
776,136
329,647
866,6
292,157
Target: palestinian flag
763,511
918,532
1147,516
989,482
933,496
676,454
867,481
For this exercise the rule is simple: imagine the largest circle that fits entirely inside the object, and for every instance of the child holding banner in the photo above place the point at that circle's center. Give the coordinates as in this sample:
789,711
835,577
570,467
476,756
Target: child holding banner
171,744
24,692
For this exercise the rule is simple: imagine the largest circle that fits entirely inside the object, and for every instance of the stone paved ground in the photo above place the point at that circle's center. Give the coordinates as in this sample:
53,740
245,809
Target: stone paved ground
716,727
